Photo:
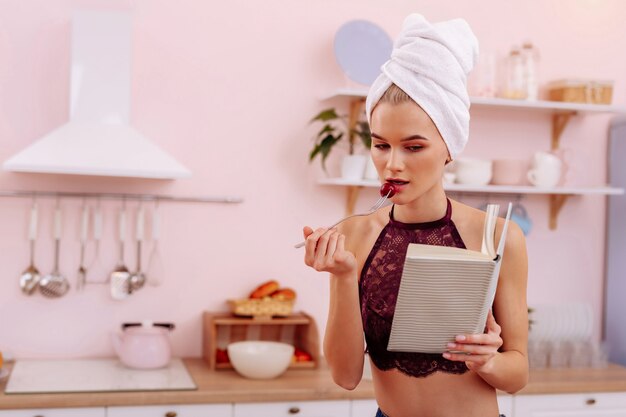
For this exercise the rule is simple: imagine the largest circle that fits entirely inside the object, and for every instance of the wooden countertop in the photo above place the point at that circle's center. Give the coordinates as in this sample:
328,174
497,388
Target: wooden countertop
222,386
226,386
576,380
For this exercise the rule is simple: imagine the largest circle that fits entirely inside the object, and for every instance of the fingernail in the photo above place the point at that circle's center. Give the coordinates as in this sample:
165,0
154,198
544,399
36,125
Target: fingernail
446,355
451,345
460,338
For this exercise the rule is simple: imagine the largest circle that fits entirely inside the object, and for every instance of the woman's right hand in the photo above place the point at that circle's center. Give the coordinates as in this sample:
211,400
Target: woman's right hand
325,251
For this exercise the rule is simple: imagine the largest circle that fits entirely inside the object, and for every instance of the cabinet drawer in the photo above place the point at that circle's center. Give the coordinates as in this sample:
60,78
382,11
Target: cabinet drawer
55,412
364,408
505,404
367,408
200,410
294,409
609,404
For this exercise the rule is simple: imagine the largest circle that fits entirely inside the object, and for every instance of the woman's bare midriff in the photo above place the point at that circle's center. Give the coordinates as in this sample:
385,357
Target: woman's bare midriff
437,395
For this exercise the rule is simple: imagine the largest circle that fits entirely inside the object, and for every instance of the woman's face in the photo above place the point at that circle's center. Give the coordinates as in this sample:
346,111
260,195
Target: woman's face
407,149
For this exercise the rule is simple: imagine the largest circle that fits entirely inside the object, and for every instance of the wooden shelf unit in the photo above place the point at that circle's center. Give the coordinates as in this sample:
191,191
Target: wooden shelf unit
561,114
305,334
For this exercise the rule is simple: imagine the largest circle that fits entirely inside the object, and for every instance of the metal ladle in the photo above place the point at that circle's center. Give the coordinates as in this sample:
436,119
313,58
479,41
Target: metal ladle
54,284
138,278
30,277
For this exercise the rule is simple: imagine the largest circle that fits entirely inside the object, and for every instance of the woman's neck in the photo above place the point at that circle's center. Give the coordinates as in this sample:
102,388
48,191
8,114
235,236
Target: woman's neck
428,207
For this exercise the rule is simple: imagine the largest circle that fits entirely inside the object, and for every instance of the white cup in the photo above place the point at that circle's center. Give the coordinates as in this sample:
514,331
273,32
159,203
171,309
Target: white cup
545,160
546,170
449,177
547,177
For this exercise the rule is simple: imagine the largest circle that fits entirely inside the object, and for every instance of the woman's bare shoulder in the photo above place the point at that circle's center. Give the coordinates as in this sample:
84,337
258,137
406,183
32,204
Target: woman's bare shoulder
468,220
463,213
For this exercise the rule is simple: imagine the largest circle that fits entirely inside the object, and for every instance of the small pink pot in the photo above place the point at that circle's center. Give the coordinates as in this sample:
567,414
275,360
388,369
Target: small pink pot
143,345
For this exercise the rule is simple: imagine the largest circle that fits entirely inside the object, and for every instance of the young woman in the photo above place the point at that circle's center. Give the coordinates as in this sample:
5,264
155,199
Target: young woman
412,141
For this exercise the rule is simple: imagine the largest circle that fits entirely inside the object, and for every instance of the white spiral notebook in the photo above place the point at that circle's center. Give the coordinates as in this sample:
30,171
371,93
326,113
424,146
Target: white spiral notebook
446,291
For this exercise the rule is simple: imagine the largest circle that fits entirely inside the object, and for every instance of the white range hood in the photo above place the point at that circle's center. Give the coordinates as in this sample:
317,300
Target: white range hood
98,139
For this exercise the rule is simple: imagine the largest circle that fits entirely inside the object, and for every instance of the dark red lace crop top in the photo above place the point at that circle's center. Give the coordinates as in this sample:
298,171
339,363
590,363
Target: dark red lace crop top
378,291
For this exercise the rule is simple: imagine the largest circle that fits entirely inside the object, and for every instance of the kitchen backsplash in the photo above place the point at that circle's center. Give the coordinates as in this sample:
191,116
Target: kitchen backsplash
238,121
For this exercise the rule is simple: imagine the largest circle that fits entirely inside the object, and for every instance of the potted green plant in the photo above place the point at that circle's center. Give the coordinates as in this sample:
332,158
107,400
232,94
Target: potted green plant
334,129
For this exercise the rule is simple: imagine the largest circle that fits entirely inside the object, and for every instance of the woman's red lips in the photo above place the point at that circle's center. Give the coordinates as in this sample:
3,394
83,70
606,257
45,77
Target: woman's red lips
396,181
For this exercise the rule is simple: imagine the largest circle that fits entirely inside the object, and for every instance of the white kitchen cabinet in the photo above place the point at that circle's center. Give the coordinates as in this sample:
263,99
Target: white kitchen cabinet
611,404
294,409
367,408
505,404
199,410
363,408
56,412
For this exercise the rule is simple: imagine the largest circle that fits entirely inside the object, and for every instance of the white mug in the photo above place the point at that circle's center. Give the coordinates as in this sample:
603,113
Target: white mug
546,160
545,176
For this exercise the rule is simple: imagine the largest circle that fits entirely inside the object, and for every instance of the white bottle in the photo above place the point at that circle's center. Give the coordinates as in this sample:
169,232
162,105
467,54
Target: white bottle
530,62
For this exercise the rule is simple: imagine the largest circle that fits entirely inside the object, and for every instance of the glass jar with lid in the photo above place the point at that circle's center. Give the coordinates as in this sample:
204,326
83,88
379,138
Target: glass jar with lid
514,84
530,63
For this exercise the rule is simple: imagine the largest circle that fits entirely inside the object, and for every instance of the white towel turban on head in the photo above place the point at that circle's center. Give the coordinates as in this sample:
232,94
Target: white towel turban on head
430,63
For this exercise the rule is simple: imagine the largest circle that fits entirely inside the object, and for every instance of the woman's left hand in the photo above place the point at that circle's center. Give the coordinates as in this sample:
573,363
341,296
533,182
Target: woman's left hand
476,350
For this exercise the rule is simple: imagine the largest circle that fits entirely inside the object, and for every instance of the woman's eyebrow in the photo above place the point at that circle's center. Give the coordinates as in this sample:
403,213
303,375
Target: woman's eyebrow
374,135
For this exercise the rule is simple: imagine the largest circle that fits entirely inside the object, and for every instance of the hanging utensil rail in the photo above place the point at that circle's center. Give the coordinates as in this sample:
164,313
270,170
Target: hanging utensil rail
121,196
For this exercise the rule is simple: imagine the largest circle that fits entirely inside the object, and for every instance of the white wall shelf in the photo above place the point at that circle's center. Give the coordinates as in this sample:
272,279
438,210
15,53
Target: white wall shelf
494,189
557,195
547,106
540,105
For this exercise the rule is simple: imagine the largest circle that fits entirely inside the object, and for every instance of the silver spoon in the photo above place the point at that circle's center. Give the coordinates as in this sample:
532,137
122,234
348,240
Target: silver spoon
54,284
138,278
120,288
30,277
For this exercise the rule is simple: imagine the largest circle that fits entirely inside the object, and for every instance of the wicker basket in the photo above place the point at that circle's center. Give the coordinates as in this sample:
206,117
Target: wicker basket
581,91
265,307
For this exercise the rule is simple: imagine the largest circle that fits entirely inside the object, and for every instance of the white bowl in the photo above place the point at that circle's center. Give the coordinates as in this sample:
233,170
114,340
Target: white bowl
471,171
260,359
449,177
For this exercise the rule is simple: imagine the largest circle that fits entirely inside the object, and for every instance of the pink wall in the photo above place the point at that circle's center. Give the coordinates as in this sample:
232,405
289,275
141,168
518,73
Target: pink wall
228,90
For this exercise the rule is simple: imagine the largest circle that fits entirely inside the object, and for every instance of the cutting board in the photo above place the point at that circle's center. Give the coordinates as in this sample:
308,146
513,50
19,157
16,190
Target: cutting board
91,375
